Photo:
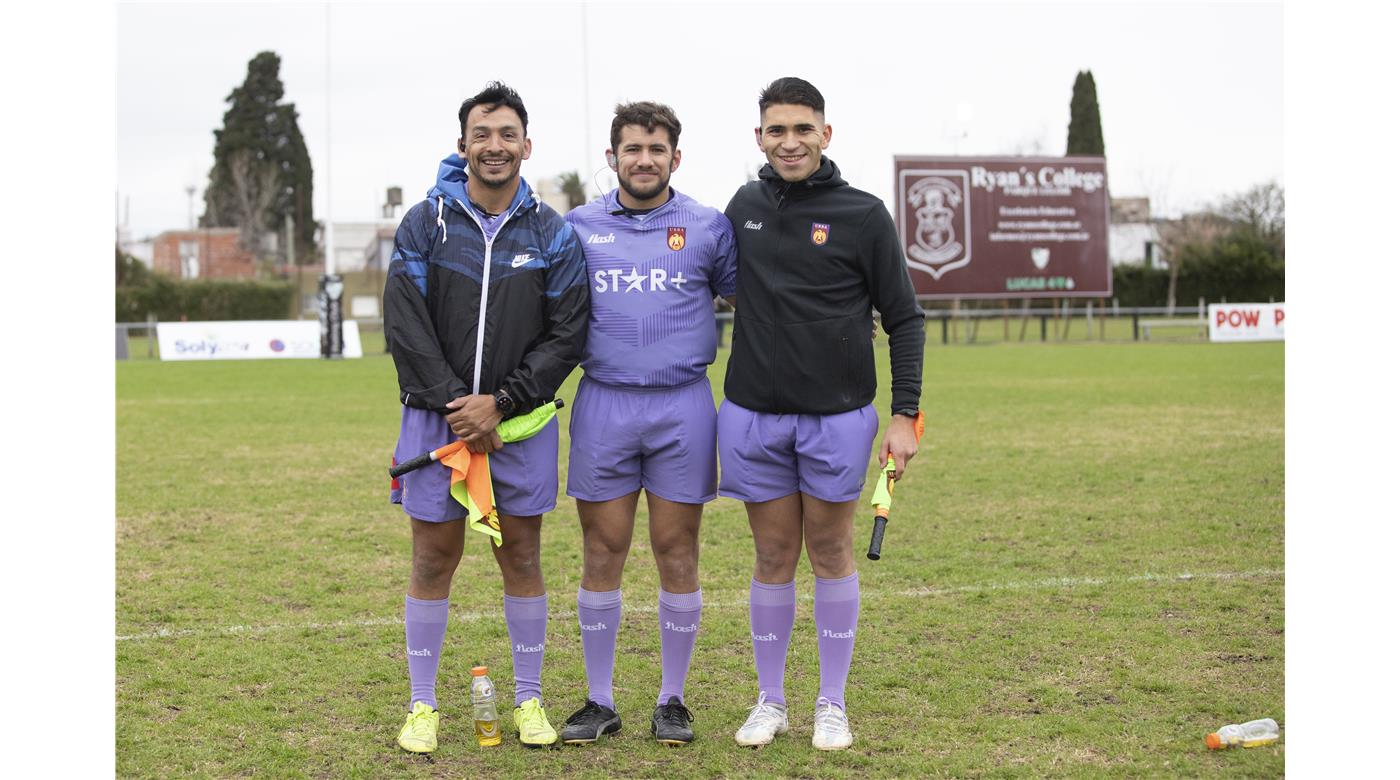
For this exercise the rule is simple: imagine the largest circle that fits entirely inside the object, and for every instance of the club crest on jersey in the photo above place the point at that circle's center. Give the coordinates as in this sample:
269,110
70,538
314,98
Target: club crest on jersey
820,232
675,238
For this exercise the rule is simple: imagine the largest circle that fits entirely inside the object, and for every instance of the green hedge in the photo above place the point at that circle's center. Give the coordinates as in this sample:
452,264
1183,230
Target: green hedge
204,299
1139,286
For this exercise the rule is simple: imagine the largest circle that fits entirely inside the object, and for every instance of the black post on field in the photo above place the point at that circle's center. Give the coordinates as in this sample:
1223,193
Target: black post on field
332,289
943,320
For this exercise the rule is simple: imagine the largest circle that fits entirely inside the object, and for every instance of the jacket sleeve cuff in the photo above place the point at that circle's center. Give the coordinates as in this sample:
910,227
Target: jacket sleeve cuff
435,398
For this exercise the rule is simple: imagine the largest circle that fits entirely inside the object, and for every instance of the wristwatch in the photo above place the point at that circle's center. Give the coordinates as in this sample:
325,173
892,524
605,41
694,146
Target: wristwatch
910,413
504,403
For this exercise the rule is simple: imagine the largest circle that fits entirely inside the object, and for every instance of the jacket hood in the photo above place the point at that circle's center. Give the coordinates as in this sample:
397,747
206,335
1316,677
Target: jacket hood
451,185
826,175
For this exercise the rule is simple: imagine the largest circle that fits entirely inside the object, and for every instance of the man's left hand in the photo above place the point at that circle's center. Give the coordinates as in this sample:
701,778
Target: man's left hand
900,442
472,416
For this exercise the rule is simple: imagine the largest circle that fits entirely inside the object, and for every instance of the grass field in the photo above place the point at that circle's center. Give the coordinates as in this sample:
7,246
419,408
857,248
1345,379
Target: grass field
1084,575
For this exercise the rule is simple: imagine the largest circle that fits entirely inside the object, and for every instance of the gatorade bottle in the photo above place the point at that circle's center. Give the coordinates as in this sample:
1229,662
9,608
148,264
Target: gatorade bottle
488,726
1255,733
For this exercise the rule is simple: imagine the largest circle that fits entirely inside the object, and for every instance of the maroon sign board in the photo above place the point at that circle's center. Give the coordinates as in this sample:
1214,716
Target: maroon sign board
1004,227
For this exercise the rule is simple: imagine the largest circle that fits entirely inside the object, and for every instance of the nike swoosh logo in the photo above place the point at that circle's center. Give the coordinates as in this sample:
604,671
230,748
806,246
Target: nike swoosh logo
519,261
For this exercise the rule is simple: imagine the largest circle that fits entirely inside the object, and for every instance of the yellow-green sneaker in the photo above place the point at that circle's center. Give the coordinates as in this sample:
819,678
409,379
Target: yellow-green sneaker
419,732
533,725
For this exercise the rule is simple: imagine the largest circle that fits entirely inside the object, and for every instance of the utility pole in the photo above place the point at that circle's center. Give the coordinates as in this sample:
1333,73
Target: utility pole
332,288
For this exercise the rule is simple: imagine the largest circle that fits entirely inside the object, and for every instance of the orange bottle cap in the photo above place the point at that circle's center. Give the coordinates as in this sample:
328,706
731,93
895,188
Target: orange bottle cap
478,671
1213,741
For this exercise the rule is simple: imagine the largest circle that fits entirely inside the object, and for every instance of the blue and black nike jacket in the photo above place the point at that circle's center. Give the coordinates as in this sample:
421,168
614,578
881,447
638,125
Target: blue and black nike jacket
526,323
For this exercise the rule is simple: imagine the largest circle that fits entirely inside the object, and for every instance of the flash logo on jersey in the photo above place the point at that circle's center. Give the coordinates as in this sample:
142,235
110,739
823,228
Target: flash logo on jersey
820,232
675,238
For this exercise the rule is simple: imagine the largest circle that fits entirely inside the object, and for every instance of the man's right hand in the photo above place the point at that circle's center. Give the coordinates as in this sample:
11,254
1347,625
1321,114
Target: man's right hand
474,419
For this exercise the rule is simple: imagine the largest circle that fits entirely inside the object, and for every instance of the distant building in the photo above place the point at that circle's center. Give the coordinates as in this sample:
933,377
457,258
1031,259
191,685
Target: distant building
1133,238
549,191
143,250
364,246
206,253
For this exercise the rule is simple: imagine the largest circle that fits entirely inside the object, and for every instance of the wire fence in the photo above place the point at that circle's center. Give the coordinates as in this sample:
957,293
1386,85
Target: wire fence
950,327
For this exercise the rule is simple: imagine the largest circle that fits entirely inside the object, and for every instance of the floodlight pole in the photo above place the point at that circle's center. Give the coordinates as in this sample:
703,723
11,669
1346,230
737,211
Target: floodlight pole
331,288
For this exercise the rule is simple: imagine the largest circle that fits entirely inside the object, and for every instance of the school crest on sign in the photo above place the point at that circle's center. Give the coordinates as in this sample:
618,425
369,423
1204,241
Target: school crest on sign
675,238
820,233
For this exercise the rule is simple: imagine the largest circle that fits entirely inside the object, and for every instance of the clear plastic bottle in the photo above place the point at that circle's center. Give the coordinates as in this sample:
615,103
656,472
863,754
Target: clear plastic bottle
1255,733
488,726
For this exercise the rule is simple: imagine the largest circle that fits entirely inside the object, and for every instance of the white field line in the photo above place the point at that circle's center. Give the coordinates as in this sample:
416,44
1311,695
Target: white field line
867,594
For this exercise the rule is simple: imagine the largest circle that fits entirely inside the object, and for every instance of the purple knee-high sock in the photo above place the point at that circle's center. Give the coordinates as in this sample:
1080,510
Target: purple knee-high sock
526,617
679,616
836,609
772,609
599,612
424,626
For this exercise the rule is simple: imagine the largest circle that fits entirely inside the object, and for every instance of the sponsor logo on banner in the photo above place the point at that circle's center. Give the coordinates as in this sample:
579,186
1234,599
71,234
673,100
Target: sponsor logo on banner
1245,321
250,340
1041,257
675,238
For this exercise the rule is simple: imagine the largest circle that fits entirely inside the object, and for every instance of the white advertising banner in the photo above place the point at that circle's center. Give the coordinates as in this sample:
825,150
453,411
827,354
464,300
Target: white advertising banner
249,340
1245,321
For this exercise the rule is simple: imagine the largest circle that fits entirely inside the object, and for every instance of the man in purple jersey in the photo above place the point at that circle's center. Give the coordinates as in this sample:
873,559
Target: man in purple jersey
644,417
797,422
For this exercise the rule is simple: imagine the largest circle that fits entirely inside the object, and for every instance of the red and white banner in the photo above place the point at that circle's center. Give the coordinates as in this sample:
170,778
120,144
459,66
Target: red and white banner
249,339
1245,321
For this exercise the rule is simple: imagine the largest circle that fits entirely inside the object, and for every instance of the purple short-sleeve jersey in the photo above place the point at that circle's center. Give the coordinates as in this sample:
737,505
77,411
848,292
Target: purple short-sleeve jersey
653,279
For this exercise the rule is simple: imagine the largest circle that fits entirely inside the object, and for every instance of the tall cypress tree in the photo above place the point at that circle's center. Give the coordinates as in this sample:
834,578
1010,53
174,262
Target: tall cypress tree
1085,133
262,171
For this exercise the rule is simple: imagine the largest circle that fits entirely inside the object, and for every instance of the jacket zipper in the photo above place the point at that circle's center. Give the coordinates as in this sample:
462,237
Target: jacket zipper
777,252
485,287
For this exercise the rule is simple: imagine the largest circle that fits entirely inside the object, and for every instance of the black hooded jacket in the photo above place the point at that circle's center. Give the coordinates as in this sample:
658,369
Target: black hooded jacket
814,256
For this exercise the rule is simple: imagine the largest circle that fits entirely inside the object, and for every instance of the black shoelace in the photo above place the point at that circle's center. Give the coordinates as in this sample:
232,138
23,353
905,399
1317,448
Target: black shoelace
676,713
589,708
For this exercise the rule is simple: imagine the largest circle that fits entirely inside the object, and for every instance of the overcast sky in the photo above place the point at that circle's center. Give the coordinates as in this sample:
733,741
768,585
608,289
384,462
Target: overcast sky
1191,96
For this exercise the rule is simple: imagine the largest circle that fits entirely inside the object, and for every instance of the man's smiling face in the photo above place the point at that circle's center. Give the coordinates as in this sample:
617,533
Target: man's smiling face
793,137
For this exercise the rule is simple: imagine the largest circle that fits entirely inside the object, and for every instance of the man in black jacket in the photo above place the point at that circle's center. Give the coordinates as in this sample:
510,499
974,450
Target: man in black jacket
797,422
485,312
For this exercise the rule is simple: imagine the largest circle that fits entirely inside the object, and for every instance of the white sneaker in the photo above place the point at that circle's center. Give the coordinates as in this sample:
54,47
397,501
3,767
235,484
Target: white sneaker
830,729
766,720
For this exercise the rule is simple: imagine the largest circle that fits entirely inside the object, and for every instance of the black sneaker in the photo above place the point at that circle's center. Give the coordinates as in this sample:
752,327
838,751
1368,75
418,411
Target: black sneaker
590,723
668,723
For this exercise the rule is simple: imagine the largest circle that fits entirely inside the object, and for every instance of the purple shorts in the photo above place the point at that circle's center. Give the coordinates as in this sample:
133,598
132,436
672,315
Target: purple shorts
623,439
768,456
524,474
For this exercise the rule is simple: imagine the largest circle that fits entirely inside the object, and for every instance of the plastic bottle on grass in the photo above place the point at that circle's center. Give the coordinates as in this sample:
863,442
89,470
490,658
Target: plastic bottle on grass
1255,733
488,726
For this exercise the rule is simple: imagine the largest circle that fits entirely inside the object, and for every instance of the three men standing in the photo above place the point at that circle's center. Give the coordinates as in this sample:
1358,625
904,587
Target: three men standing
793,434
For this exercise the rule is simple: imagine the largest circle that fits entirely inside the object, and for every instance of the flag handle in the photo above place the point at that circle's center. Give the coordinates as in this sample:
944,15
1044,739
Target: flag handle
438,454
